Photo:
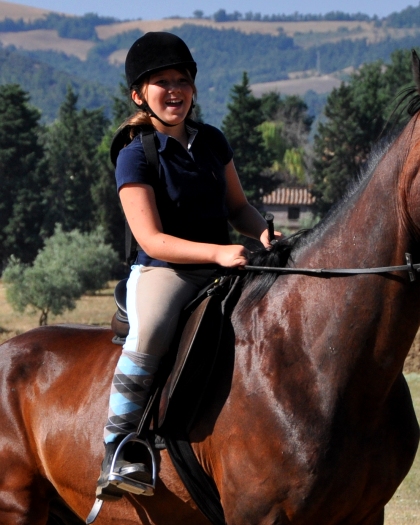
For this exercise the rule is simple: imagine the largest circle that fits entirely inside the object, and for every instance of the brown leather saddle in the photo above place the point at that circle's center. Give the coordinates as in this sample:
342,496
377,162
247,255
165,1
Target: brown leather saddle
184,373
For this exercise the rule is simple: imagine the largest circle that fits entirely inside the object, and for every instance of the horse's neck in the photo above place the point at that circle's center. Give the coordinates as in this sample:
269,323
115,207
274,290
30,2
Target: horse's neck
373,229
376,225
346,329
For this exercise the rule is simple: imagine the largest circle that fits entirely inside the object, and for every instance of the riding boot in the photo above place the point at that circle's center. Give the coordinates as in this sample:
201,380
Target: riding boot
129,396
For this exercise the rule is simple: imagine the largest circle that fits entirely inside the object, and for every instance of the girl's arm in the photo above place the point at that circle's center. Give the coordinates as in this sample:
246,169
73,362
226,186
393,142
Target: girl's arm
138,202
242,216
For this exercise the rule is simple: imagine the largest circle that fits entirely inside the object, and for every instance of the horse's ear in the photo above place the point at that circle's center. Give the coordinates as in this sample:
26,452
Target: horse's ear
415,68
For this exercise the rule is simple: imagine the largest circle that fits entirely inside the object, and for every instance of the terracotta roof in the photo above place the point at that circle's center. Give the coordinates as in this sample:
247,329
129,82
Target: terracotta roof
291,196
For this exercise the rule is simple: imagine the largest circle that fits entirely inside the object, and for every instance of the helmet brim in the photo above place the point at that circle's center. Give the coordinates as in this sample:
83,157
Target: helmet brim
190,66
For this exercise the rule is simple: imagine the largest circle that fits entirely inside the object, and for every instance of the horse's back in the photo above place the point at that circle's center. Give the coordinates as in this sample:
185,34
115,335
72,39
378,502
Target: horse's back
51,370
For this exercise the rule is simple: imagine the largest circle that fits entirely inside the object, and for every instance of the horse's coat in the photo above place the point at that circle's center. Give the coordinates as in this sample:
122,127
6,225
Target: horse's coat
308,421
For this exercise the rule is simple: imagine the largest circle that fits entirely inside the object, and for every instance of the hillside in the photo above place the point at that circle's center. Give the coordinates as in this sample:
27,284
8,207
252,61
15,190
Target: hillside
306,34
328,31
17,11
289,57
46,40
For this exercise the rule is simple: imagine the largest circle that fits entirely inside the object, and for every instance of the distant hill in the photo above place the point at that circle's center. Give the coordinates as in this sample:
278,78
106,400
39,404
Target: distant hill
46,40
17,11
308,58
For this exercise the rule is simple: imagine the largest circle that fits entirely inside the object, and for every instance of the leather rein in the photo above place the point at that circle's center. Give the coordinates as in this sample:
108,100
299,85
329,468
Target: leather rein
411,268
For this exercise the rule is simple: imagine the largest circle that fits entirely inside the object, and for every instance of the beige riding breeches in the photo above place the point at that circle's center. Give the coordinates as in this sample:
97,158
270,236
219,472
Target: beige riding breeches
155,298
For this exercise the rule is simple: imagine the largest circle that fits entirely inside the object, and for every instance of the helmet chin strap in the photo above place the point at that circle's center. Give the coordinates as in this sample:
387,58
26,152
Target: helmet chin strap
145,107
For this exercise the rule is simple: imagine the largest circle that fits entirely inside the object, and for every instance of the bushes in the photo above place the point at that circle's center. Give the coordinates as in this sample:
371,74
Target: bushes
69,265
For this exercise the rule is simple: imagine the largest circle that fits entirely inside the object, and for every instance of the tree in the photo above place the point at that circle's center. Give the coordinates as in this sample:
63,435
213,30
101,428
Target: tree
252,159
108,213
285,132
220,16
71,146
69,265
397,76
292,111
356,117
21,204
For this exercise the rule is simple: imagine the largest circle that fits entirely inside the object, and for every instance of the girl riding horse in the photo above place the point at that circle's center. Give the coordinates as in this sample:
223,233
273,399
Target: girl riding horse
179,218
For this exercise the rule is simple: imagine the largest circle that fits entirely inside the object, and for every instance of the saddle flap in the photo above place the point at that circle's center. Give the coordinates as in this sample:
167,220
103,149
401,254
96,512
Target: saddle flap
196,355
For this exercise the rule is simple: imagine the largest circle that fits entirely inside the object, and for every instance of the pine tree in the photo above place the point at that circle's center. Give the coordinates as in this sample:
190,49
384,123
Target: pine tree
108,213
358,114
251,157
71,153
355,120
21,204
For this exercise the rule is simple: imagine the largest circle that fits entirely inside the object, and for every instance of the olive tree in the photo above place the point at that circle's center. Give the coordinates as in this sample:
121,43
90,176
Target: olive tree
69,265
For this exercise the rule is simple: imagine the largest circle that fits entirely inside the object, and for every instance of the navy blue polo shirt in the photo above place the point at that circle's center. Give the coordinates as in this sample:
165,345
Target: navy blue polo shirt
190,189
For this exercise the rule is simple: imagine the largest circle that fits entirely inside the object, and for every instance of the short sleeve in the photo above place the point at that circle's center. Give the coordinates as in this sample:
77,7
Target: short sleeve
219,144
132,165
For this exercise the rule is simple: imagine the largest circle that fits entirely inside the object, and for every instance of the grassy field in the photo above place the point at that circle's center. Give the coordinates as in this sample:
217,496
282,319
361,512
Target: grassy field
403,509
95,309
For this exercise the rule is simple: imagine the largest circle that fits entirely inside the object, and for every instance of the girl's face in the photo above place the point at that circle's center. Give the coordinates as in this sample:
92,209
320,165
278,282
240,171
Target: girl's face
169,94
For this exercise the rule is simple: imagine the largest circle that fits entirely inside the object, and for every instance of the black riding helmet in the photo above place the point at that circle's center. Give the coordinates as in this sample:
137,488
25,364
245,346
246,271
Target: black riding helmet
155,51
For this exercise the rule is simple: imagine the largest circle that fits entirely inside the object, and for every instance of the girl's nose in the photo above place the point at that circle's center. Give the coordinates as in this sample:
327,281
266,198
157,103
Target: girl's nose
174,85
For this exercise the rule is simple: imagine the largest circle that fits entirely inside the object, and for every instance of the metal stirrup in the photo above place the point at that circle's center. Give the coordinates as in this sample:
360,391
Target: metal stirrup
121,481
146,489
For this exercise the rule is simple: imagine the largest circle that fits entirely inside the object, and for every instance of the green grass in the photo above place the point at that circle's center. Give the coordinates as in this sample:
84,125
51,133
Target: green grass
404,508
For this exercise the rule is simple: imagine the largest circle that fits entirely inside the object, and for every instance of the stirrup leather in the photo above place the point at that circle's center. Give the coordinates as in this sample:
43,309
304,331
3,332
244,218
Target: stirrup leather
124,482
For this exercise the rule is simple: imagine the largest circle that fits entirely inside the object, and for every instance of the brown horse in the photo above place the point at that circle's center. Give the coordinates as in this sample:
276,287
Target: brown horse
308,419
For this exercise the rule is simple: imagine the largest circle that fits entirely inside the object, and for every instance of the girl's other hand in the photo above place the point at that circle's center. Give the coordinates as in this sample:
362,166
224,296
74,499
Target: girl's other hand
265,238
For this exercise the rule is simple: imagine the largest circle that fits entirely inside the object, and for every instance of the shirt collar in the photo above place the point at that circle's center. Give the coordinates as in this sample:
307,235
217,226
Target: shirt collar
192,131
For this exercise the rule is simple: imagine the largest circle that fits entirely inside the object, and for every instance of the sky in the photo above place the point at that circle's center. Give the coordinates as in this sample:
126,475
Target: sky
158,9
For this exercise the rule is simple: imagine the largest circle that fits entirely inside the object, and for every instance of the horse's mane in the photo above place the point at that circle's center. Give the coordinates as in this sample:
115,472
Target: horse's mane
258,283
282,254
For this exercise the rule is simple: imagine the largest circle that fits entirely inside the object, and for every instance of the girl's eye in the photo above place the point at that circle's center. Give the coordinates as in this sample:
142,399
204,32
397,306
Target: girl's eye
164,82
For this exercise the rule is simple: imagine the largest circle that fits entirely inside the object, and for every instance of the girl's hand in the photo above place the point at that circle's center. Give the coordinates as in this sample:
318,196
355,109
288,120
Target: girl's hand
232,256
265,238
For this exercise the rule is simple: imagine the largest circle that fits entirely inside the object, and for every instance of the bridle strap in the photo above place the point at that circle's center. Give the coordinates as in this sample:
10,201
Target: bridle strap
411,268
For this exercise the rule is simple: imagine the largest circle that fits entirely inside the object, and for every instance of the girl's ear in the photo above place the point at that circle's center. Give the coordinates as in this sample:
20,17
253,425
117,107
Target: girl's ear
136,98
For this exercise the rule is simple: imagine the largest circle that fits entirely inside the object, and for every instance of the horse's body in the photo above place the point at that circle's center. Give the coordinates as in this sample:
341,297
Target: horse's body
308,420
